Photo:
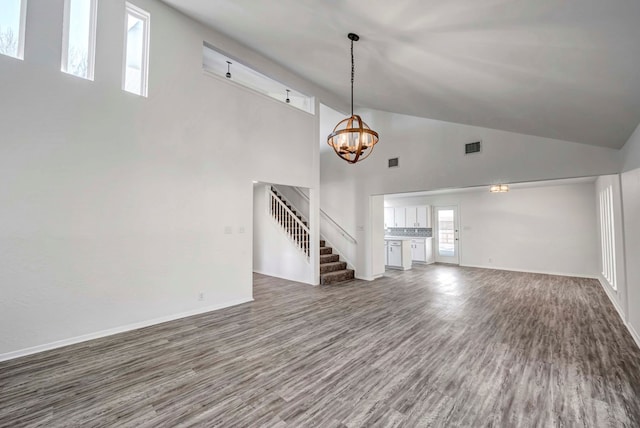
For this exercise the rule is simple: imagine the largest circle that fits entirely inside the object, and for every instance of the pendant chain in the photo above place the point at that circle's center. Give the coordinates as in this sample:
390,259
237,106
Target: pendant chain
353,69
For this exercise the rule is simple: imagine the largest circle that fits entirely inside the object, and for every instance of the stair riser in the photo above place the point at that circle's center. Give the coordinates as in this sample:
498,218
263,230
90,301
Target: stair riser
326,250
332,267
334,279
329,258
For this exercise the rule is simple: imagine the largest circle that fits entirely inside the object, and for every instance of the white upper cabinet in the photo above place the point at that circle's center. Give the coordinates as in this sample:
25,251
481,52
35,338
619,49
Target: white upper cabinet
400,217
422,216
417,216
407,216
389,216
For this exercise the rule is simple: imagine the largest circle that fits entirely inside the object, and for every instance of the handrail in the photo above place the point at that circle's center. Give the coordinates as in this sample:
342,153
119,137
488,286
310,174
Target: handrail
295,228
343,232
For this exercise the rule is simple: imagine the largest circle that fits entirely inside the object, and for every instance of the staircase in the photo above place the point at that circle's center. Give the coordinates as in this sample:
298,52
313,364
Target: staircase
332,270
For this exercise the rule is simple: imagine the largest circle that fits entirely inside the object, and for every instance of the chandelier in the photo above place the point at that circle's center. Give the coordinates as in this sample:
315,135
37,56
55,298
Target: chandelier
352,139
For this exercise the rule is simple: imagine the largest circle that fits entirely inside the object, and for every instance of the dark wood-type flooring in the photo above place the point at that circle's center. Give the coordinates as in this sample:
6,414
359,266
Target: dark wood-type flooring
437,346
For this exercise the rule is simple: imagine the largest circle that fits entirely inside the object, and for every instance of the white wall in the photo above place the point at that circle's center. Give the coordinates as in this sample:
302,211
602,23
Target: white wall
274,254
549,229
630,153
432,157
619,296
114,206
631,210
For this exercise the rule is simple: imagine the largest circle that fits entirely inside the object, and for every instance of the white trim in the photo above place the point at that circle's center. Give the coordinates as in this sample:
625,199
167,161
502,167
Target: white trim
607,290
145,17
280,276
22,23
23,29
245,88
574,275
611,293
91,53
634,334
110,332
369,278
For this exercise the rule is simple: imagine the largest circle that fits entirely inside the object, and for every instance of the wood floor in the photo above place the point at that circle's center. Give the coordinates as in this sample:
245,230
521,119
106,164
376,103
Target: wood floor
437,346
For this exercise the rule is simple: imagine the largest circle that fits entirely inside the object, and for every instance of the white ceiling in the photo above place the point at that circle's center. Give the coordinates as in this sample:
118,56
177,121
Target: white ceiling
565,69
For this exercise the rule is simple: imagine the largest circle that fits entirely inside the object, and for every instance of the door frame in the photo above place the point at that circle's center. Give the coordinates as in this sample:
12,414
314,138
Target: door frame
455,260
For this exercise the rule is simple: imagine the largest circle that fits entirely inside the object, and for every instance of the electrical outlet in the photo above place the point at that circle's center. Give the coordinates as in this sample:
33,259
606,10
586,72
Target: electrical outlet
490,260
200,296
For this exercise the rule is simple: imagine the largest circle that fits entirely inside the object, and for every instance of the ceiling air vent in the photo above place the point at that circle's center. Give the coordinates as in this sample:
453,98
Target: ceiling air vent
393,163
472,148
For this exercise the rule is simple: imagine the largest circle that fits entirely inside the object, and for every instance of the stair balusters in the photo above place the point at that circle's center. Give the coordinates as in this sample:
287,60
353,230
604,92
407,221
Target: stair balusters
290,222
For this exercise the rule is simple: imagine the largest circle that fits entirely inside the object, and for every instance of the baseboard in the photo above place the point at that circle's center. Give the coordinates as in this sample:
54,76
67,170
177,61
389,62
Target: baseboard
110,332
574,275
609,292
634,334
279,276
369,278
632,331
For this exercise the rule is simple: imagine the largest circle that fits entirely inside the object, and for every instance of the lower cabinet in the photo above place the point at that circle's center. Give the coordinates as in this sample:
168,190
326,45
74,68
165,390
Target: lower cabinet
395,253
418,250
421,250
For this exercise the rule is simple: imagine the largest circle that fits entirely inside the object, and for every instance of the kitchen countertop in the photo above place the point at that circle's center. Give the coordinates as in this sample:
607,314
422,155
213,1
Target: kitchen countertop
403,238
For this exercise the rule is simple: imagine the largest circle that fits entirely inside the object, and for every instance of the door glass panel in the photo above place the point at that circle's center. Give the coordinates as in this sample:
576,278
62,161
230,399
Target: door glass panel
446,233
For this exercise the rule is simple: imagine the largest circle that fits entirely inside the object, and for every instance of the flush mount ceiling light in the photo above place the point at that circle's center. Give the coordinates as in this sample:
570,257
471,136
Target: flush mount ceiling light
499,188
352,139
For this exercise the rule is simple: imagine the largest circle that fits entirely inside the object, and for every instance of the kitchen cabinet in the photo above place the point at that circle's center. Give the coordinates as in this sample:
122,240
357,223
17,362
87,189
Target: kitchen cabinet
399,214
395,253
418,251
421,250
417,216
398,253
389,217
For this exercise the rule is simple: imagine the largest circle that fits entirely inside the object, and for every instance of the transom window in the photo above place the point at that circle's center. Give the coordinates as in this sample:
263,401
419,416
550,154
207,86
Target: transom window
12,22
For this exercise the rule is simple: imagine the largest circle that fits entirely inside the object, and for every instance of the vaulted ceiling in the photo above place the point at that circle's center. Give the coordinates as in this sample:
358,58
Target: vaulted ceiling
565,69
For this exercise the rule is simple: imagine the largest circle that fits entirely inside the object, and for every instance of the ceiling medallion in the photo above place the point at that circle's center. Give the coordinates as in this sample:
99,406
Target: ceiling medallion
352,139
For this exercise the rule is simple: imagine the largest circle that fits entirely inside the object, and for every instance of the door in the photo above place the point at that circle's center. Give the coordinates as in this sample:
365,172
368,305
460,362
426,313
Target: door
446,235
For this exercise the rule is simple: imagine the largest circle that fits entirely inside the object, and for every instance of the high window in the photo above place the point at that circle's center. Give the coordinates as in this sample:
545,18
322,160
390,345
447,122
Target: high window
136,57
607,236
79,37
12,23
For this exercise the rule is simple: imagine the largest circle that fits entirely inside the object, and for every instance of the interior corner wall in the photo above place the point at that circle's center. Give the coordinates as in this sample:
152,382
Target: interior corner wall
618,295
431,156
546,229
630,153
119,211
630,183
274,254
